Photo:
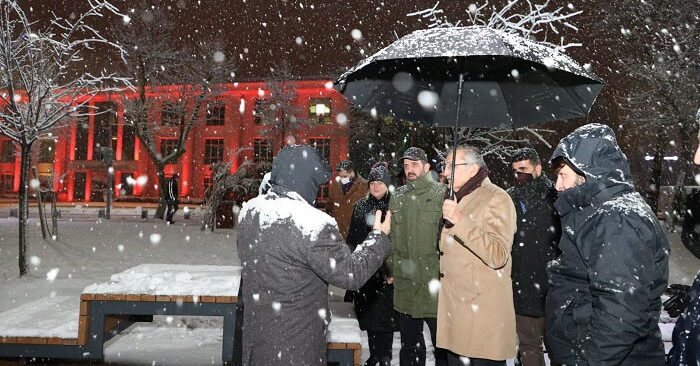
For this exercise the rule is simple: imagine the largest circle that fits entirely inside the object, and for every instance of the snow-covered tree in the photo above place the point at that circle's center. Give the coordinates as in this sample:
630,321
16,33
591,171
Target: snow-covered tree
522,17
277,109
191,75
663,65
223,183
40,88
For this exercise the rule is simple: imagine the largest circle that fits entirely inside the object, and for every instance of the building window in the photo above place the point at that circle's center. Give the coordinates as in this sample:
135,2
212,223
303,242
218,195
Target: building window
8,152
216,113
48,151
320,110
262,150
167,146
105,129
213,151
126,188
79,183
323,145
170,114
82,129
128,142
258,111
6,183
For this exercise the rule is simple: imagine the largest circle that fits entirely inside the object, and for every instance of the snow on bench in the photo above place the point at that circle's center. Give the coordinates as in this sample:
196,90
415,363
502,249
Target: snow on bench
344,331
163,289
170,282
65,321
51,320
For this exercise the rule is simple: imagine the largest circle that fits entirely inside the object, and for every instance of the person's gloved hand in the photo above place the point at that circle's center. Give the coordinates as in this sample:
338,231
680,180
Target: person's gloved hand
679,297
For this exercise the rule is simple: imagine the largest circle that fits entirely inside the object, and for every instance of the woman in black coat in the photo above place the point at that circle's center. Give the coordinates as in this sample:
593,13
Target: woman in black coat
374,302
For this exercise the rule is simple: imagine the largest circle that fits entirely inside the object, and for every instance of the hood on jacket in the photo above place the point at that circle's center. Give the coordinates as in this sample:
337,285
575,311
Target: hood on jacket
300,169
594,151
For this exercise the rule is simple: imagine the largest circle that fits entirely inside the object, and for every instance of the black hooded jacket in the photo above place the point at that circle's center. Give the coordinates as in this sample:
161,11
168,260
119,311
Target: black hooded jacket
604,295
534,244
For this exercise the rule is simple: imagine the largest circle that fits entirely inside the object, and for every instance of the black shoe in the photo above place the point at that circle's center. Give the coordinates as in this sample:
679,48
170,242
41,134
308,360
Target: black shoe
371,361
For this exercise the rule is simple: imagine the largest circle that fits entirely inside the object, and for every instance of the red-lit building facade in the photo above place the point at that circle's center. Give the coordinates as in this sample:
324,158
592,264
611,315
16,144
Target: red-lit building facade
229,129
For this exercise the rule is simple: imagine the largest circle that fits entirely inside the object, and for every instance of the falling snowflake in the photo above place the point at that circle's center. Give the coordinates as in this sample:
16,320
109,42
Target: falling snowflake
155,238
51,274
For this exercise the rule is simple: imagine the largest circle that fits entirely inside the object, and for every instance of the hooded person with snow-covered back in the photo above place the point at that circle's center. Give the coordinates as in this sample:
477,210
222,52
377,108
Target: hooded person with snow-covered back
605,289
290,252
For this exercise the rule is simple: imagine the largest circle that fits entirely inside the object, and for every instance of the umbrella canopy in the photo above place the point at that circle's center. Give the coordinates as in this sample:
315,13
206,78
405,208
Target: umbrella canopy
508,81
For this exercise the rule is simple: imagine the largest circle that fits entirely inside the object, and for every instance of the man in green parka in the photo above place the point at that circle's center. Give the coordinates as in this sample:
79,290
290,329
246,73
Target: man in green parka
416,212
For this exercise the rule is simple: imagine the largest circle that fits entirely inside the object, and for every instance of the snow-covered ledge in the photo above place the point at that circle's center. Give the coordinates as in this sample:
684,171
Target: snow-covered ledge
344,327
172,279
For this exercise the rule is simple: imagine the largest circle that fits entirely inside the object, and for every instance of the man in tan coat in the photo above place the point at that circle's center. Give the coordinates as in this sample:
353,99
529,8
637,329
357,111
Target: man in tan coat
476,318
347,189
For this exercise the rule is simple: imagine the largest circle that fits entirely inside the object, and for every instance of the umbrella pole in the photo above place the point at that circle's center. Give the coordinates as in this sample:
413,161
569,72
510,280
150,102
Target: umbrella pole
455,142
455,135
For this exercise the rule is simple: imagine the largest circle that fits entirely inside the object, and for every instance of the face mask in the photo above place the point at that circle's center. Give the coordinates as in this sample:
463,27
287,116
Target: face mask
523,178
345,180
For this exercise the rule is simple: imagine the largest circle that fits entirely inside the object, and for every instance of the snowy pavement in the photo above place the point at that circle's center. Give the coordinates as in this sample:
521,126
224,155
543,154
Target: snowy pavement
89,252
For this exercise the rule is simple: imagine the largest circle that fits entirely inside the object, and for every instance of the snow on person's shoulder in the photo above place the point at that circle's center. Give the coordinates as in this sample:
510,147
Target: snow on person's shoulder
273,208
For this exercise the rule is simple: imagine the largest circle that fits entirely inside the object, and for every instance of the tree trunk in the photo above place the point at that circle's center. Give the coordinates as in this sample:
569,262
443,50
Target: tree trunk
25,162
162,183
40,207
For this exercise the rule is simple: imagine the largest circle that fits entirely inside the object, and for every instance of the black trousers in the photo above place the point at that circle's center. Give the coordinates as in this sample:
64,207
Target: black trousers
171,208
453,359
413,343
380,346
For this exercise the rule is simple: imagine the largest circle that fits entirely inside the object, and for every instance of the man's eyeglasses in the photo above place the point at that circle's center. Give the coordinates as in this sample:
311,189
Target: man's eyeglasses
448,165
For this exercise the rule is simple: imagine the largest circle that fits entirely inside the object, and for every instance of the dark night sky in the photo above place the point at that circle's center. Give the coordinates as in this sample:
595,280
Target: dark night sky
258,33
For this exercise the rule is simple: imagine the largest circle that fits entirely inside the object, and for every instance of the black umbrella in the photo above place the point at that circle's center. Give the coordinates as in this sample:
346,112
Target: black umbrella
470,77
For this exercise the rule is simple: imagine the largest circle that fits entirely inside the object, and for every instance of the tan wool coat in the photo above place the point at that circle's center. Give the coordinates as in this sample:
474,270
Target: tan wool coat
340,205
476,317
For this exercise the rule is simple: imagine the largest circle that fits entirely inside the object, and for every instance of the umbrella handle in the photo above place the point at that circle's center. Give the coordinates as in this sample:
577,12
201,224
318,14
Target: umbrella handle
455,142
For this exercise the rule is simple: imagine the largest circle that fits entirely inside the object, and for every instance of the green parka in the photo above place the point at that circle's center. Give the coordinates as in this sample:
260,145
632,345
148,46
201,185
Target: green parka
416,211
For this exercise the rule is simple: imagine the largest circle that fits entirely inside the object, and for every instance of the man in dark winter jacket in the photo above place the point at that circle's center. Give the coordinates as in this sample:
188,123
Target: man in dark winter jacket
605,289
290,252
534,245
172,198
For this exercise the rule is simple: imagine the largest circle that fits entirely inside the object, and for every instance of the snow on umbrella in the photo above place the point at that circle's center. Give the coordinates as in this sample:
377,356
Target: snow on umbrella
473,76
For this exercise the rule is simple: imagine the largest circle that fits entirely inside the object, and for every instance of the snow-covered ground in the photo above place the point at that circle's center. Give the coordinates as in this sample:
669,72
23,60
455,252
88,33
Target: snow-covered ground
88,252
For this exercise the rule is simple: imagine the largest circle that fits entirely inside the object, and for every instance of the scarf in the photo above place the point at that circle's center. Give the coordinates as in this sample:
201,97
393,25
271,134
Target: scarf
472,184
